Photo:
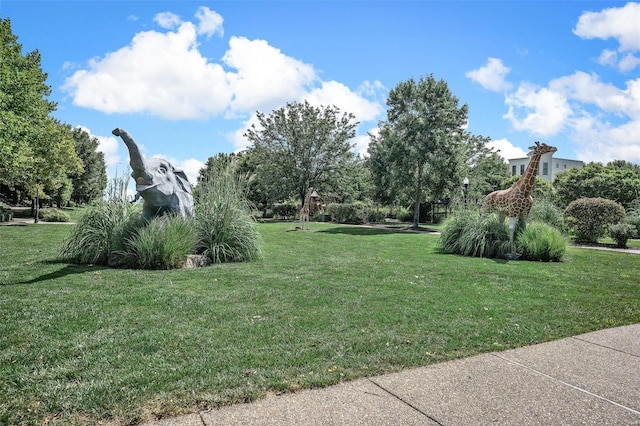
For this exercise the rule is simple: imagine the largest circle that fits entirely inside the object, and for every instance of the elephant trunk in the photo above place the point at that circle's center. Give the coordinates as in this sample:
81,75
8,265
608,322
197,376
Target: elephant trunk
136,160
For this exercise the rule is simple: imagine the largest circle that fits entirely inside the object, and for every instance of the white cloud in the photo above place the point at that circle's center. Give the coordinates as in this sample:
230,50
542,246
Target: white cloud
603,143
165,74
266,78
620,23
590,90
191,167
491,76
162,74
108,145
629,62
608,57
540,111
167,20
506,149
334,93
209,22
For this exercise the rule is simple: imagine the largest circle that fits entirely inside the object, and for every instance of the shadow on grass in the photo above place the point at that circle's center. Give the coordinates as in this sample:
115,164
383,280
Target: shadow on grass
68,269
374,230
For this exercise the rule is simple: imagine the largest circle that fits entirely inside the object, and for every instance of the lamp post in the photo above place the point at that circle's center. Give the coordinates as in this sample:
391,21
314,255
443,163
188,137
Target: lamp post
465,182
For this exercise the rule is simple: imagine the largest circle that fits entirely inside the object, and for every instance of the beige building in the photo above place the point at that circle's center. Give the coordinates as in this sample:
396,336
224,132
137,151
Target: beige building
549,166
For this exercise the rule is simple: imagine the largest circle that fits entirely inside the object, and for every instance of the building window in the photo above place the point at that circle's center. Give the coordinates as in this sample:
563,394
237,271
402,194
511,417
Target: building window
521,169
545,169
513,170
557,165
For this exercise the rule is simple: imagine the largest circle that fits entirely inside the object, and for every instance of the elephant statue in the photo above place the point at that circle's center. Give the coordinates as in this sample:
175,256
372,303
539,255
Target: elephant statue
165,190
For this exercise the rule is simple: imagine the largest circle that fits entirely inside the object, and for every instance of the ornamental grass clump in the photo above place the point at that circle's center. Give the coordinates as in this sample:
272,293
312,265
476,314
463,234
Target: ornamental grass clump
164,243
476,235
544,210
100,234
227,231
543,242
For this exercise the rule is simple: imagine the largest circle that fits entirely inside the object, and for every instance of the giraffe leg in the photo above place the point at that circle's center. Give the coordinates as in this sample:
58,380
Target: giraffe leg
513,221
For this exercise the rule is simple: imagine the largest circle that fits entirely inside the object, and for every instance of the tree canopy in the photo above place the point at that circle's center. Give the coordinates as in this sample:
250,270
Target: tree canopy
300,146
36,152
618,181
420,147
91,182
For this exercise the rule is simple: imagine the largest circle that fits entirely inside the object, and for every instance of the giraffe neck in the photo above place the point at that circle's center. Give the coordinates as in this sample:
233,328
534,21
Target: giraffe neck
528,179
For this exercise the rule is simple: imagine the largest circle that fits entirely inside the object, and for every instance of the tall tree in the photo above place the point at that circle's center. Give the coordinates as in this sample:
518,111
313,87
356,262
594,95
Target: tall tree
301,146
36,152
486,169
421,144
23,107
91,183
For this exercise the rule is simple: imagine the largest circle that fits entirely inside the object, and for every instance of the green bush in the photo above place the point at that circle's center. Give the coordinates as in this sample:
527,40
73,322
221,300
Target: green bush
53,215
621,232
354,214
545,211
404,214
541,241
227,231
285,210
164,243
5,213
472,234
634,220
376,215
588,218
99,237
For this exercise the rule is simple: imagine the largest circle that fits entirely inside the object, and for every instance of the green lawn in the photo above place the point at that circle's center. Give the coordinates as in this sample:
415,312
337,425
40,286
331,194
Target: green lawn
81,344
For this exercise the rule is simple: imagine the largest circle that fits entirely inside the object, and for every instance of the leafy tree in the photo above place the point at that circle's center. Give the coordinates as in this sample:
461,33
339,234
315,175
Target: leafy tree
486,169
23,107
92,181
420,147
300,146
36,152
618,181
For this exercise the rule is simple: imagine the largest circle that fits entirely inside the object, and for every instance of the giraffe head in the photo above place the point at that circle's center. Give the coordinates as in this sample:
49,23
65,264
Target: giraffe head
541,148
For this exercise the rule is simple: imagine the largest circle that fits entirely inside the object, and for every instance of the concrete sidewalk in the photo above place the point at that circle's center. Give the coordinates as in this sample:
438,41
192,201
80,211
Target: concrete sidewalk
591,379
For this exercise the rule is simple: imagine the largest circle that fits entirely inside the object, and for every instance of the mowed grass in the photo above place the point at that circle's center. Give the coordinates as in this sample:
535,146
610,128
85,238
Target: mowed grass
83,344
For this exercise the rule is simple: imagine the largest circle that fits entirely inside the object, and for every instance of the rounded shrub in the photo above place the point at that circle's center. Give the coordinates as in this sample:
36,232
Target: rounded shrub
543,242
621,232
354,214
588,218
53,215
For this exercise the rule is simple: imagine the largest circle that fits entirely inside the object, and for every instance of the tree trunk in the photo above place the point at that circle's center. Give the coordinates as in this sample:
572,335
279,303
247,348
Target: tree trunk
416,201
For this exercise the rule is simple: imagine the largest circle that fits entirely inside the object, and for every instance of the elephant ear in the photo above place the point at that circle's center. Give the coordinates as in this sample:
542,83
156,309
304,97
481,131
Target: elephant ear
183,182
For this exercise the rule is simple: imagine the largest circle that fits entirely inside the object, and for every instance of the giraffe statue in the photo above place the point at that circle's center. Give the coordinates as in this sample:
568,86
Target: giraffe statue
304,211
516,201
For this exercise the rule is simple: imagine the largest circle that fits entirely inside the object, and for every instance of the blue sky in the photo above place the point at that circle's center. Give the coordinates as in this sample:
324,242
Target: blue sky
185,78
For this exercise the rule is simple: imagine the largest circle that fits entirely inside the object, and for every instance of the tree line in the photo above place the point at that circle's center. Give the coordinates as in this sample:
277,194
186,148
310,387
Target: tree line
422,151
40,157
